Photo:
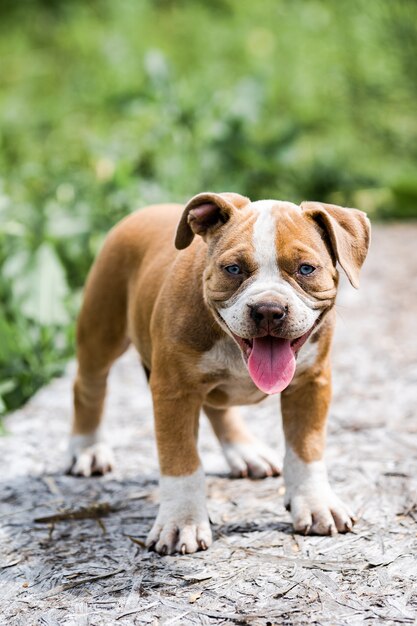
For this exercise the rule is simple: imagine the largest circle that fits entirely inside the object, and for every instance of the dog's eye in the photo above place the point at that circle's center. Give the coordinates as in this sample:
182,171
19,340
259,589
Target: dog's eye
305,269
233,269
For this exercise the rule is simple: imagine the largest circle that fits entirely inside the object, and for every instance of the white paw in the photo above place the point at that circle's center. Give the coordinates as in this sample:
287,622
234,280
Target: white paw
319,513
251,459
315,509
88,456
180,533
182,524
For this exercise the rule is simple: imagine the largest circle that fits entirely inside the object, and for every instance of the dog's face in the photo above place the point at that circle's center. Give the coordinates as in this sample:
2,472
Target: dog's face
271,272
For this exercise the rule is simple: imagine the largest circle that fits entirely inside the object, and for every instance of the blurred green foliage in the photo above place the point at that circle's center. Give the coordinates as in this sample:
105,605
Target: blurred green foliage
107,106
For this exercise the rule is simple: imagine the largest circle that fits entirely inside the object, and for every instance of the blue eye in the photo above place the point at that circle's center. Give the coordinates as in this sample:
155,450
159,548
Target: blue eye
305,269
233,269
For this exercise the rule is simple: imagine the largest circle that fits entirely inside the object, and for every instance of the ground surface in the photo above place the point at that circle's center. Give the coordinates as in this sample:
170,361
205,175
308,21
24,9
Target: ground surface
84,572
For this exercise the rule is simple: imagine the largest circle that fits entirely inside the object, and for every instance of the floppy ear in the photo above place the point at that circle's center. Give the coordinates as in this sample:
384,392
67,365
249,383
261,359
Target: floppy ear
349,233
204,214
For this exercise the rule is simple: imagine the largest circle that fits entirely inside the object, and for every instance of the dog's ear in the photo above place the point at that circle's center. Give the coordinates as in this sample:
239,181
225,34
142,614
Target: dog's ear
204,214
348,232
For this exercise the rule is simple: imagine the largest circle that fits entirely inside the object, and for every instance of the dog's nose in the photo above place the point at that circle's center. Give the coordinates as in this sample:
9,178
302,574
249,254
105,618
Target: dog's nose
267,314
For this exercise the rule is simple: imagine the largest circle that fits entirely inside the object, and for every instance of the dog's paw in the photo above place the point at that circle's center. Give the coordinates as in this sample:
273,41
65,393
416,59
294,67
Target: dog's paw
184,534
88,457
314,508
182,524
253,459
319,513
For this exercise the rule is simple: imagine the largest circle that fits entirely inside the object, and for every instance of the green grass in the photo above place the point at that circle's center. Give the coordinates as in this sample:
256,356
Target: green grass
107,106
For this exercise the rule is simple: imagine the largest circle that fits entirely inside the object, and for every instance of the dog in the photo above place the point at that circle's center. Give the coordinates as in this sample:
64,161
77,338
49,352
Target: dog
241,306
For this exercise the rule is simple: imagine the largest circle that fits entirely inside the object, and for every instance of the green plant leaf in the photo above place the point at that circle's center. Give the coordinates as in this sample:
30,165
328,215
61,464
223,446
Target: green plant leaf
39,285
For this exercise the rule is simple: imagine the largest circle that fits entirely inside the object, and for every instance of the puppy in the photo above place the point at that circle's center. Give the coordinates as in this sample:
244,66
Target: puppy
242,310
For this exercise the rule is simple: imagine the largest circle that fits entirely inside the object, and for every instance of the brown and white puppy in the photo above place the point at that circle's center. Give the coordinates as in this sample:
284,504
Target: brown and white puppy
220,320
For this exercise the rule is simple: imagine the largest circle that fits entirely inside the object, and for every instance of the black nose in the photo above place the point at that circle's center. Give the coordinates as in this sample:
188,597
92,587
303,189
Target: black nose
266,315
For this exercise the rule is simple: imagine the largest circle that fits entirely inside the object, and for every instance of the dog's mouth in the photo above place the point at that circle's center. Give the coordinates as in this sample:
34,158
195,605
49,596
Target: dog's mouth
271,360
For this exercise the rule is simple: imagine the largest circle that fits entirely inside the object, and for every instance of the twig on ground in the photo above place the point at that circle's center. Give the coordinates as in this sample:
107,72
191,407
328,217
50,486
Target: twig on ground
138,610
77,583
94,511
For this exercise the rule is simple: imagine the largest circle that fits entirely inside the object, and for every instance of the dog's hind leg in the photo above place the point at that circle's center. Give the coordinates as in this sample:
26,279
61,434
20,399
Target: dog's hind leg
101,339
246,455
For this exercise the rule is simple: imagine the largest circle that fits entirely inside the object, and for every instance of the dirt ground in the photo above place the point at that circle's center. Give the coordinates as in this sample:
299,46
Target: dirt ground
96,571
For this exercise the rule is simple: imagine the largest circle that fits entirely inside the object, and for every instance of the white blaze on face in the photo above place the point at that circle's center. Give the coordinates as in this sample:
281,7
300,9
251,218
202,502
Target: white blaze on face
268,284
263,239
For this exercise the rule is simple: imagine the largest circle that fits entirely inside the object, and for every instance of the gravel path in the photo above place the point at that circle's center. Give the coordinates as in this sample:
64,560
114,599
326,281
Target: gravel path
96,572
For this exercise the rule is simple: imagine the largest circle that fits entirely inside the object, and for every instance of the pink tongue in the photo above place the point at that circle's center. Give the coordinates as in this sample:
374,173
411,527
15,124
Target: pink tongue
271,364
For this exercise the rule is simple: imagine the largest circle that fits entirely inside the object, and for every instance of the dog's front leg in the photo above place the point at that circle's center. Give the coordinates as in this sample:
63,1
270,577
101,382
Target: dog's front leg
182,524
315,509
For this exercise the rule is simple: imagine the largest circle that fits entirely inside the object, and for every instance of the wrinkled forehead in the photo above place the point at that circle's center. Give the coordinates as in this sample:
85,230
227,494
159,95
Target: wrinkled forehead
268,227
271,218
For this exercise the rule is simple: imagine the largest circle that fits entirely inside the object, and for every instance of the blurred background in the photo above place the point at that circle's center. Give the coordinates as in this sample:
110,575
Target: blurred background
107,106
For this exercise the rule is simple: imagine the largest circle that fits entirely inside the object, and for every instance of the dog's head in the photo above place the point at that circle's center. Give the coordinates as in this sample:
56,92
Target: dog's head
271,272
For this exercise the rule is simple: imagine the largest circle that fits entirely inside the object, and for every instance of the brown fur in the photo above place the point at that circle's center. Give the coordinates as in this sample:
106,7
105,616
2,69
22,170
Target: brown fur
305,403
143,290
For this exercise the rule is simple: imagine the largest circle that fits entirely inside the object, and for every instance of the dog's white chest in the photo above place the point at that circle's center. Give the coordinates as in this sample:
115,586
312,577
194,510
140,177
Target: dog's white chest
225,360
224,355
307,356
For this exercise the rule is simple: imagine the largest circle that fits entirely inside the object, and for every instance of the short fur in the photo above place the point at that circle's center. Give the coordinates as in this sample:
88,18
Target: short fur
180,309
